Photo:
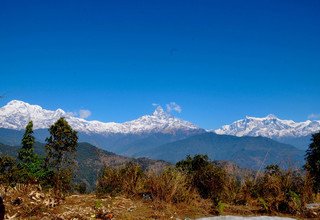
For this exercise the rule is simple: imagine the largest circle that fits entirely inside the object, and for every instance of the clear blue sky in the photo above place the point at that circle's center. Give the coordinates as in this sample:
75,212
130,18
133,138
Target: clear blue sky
218,59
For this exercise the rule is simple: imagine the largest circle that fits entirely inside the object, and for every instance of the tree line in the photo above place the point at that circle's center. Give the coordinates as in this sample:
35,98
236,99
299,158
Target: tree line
54,170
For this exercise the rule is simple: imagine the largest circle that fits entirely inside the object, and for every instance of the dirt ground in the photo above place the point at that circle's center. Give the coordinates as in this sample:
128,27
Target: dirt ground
31,202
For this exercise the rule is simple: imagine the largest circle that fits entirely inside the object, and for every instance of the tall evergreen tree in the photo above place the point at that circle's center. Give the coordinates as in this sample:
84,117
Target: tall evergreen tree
60,157
313,161
26,153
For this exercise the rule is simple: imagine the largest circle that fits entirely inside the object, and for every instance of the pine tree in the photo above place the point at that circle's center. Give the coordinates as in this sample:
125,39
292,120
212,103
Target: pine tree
313,161
26,153
30,164
60,154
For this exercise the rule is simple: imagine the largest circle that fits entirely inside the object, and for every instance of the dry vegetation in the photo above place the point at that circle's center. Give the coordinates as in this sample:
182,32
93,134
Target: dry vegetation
196,182
195,187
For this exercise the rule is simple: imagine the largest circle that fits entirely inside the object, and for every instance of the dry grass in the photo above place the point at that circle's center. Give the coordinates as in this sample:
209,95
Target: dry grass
130,193
277,191
90,206
127,180
170,186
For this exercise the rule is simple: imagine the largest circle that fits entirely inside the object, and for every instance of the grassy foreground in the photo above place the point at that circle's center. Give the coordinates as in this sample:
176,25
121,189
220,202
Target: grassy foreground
31,202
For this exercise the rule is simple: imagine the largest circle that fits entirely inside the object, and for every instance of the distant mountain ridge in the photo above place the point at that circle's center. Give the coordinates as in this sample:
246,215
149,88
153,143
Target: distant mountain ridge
16,114
269,126
297,134
151,135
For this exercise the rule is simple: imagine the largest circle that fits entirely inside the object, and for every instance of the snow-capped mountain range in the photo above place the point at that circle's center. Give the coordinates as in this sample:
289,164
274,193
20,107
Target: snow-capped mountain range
270,126
16,114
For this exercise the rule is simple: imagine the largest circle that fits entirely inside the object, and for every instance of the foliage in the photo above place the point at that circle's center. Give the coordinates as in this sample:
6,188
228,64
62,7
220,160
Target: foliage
34,172
128,180
276,190
209,179
60,157
31,165
26,153
81,187
9,172
193,164
313,161
171,186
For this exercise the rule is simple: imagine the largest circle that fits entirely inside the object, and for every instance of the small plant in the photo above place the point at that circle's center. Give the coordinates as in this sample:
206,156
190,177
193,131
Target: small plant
218,207
98,204
263,204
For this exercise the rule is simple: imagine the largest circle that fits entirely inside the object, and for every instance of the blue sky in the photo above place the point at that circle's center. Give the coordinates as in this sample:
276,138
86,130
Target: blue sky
219,60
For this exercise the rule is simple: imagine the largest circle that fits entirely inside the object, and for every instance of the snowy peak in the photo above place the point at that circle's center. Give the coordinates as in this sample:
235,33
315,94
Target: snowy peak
160,113
16,114
271,116
269,126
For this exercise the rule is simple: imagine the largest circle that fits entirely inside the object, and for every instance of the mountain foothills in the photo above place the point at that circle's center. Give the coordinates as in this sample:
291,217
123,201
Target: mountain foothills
248,152
91,160
163,136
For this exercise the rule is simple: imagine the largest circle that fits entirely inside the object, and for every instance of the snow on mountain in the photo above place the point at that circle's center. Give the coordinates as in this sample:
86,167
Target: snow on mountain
16,114
269,126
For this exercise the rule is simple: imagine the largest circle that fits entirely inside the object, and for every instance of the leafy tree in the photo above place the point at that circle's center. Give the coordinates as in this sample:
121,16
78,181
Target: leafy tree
313,161
60,154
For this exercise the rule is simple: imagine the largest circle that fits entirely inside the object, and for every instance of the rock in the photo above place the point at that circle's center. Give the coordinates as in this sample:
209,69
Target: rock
313,206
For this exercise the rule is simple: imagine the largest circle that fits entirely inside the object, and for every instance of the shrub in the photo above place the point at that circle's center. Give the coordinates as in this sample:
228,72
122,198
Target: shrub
9,172
128,180
276,190
81,187
171,186
208,178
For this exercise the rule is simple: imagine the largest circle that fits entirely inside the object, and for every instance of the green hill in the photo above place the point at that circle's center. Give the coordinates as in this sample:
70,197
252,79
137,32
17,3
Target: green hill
90,160
248,152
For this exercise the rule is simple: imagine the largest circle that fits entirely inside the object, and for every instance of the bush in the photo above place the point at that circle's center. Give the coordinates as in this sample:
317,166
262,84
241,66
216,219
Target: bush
276,190
209,179
128,180
171,186
81,187
9,172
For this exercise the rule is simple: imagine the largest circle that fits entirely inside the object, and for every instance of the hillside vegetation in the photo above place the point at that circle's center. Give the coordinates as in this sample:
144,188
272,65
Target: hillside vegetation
50,182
